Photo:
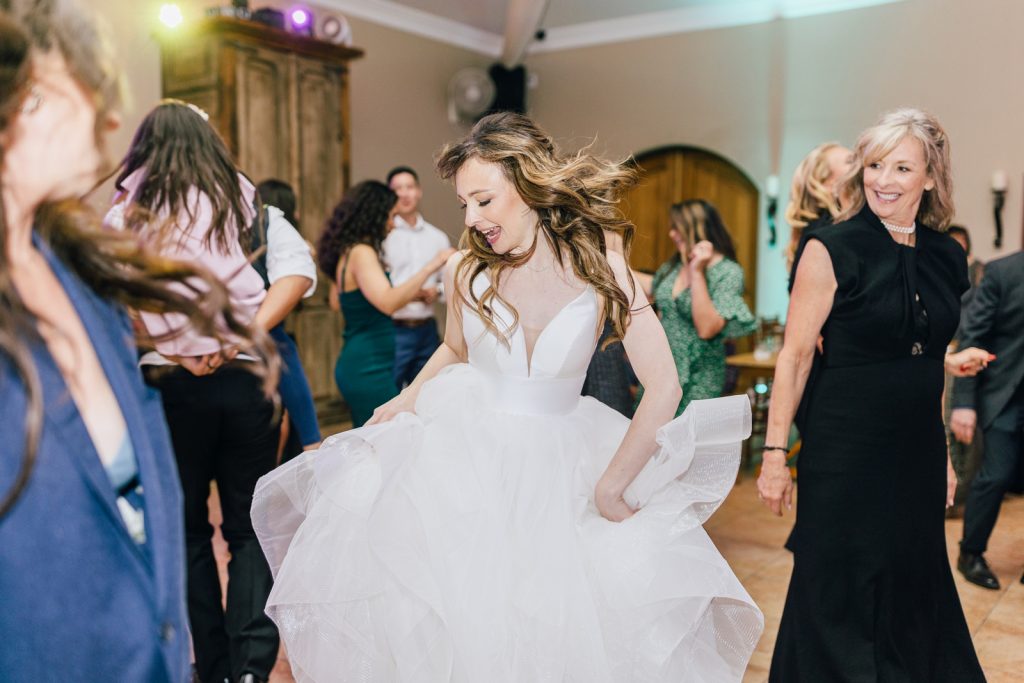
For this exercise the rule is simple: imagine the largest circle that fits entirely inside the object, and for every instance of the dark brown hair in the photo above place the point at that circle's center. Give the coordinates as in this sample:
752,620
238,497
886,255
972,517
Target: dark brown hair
361,217
180,153
279,194
697,220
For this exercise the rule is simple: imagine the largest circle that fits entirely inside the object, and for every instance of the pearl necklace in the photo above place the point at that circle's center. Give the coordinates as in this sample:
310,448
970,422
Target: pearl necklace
899,229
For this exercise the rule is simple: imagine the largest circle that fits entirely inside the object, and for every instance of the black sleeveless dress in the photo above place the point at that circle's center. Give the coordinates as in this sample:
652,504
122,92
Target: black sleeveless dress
872,596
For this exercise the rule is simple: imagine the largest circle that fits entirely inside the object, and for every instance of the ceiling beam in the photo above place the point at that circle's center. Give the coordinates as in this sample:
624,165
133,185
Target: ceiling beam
521,23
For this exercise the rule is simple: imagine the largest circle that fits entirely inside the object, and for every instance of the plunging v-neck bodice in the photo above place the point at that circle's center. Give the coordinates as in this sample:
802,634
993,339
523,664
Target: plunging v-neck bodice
562,349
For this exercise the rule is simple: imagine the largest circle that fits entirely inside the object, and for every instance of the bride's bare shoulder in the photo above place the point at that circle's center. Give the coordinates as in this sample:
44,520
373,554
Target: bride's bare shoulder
620,269
453,275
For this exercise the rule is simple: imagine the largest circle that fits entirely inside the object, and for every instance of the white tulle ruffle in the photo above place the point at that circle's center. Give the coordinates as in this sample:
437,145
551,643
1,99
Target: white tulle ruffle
462,544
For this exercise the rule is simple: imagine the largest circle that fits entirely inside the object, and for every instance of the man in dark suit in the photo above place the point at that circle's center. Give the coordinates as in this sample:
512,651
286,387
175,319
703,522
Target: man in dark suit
993,401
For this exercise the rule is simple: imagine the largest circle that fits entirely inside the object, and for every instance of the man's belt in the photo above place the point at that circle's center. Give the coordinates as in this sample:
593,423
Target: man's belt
416,322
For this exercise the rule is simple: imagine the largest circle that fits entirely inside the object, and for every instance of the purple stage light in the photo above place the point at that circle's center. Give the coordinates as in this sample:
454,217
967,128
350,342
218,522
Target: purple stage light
300,17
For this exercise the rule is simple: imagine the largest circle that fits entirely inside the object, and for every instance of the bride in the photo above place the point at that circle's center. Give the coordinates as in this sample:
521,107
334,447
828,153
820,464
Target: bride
489,525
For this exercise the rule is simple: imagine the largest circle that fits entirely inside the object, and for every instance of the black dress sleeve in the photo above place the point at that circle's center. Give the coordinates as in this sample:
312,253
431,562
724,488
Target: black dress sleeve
845,260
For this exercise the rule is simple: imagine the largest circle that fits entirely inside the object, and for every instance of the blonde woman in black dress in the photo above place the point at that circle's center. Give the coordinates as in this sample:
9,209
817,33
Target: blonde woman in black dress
872,596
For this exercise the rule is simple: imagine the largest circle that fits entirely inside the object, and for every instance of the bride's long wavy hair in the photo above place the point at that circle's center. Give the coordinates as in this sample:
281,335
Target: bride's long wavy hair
113,264
576,197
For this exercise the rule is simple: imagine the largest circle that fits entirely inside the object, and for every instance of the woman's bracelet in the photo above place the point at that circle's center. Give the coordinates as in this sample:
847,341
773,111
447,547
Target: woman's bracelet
774,448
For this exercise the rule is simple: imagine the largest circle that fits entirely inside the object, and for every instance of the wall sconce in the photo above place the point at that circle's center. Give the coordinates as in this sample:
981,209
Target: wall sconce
771,191
999,185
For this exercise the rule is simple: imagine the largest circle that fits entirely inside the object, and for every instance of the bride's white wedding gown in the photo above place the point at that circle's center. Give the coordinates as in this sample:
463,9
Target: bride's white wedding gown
462,543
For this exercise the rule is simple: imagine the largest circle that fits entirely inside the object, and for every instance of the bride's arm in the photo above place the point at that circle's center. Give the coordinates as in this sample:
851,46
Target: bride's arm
649,353
452,350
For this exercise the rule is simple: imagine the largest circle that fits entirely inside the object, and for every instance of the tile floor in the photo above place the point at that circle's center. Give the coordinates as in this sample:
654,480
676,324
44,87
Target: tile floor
751,540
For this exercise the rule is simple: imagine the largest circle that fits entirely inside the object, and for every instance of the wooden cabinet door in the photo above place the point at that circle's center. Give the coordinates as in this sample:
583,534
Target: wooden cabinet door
263,126
319,151
675,174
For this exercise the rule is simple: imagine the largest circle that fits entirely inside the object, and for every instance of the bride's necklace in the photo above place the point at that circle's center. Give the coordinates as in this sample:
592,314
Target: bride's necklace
535,268
900,229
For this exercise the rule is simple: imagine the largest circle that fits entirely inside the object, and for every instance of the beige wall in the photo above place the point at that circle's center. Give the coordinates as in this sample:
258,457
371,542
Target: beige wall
400,113
398,90
715,89
958,58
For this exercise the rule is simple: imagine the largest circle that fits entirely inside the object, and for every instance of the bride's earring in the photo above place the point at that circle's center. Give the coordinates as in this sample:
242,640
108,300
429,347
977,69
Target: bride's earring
32,102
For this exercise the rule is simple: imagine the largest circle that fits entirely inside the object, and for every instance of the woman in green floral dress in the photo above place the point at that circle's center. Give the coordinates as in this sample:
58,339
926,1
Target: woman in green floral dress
699,295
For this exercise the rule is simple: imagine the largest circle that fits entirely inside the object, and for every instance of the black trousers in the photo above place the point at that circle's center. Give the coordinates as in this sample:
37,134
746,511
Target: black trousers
223,430
1000,466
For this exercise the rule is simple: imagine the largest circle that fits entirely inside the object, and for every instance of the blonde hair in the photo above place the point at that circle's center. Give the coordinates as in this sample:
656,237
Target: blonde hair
936,208
576,199
808,195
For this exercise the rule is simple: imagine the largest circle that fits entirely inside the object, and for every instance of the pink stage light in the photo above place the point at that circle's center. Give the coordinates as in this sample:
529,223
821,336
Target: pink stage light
300,17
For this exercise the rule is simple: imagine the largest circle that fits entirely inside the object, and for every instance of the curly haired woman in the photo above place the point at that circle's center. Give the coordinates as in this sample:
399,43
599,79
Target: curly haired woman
350,248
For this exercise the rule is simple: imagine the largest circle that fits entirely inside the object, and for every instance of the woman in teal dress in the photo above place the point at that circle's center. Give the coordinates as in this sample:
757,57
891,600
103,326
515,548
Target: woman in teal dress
699,295
350,247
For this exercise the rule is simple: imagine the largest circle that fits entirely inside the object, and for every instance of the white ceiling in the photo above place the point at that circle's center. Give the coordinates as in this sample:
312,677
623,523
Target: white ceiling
489,15
485,25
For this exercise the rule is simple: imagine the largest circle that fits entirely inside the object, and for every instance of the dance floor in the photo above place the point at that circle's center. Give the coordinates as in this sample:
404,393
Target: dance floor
751,540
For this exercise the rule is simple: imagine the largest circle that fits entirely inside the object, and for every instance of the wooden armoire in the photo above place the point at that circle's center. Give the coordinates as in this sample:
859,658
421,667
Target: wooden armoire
280,101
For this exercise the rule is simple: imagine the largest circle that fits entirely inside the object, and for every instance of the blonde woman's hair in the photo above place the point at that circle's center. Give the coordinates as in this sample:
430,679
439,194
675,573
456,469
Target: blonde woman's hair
808,195
575,196
936,208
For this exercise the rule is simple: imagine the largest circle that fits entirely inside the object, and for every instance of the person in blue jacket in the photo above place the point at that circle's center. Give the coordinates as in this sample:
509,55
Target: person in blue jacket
91,540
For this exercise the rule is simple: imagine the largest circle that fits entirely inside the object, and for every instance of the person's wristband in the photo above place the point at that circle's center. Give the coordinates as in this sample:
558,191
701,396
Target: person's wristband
774,448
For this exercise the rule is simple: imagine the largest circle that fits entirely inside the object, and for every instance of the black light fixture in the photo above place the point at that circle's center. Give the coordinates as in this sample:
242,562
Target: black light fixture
771,191
999,185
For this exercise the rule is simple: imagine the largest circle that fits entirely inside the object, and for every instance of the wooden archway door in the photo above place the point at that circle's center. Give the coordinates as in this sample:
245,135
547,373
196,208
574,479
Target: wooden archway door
674,174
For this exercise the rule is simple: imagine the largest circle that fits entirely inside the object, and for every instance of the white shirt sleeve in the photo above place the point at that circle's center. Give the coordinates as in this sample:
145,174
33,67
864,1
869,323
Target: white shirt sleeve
115,216
287,253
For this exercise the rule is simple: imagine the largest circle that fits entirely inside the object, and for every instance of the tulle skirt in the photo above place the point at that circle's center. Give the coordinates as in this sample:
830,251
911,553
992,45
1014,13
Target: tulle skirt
462,544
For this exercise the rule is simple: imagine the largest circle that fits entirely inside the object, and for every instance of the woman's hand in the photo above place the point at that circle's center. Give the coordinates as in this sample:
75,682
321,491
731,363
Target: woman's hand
950,483
701,255
775,485
441,258
405,402
427,295
963,422
968,362
610,503
207,364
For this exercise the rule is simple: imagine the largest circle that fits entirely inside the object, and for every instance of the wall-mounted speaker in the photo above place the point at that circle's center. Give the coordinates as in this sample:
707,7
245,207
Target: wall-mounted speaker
511,88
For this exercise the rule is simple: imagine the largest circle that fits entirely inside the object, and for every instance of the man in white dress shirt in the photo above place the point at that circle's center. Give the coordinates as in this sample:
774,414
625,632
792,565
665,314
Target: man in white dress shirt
407,249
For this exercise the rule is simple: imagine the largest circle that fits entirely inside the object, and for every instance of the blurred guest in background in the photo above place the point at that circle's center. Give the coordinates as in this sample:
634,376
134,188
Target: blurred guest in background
812,197
975,268
994,402
351,249
965,457
610,377
410,245
180,191
289,274
699,295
